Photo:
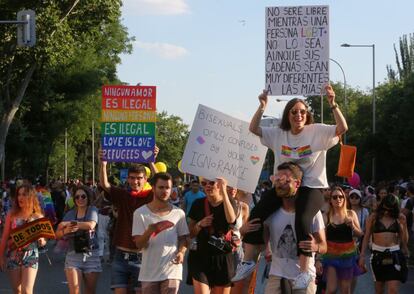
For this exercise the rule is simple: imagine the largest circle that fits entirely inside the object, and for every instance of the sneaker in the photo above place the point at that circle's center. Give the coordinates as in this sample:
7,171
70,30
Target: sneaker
302,281
244,270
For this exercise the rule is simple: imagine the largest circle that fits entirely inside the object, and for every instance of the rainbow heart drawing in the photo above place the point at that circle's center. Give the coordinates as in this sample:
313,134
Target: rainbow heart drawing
254,159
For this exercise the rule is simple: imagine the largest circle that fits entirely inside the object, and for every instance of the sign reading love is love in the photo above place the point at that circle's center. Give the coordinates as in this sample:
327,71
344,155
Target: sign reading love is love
222,146
128,123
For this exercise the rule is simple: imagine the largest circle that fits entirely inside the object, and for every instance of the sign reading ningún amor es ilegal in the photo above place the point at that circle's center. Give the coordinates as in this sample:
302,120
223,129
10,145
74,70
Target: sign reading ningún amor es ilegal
128,123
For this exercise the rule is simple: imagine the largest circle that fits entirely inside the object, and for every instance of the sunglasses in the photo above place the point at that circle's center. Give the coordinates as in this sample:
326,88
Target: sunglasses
387,209
135,178
211,183
353,196
81,196
296,111
336,197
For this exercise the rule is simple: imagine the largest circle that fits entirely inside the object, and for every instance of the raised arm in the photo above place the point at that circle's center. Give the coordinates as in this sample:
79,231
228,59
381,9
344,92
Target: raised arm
257,117
341,125
152,166
103,176
228,207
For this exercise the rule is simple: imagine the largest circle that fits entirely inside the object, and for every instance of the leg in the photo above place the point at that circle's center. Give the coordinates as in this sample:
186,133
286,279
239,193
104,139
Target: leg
252,241
151,287
221,290
251,251
393,286
28,279
331,280
200,288
273,285
15,277
169,286
74,278
238,287
379,287
308,203
345,286
269,203
90,280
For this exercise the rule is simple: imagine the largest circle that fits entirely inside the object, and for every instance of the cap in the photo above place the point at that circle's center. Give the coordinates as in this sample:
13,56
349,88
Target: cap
355,191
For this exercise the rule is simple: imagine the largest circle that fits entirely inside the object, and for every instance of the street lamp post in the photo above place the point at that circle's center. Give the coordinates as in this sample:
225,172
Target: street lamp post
373,97
345,99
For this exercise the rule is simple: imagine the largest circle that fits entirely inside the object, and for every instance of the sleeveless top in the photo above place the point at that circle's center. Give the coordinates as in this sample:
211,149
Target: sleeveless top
341,233
239,222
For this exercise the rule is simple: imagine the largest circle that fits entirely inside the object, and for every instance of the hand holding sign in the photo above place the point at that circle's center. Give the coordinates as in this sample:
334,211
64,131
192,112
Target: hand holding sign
263,99
331,95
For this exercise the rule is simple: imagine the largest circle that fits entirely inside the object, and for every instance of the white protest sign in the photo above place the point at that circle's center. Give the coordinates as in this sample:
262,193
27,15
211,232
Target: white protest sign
222,146
297,50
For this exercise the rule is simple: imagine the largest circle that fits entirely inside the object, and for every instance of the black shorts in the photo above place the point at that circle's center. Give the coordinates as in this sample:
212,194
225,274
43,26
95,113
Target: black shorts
389,266
213,270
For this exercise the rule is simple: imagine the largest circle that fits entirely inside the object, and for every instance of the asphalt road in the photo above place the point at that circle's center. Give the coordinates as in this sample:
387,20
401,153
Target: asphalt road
51,279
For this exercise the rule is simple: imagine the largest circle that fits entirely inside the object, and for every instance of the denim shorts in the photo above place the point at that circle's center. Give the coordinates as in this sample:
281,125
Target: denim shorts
83,263
125,270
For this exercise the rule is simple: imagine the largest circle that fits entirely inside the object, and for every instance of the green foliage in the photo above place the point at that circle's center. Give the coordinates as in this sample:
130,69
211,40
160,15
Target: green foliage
77,51
357,109
404,60
171,137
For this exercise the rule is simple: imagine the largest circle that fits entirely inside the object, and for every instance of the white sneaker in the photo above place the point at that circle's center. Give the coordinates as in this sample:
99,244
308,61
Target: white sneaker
244,270
302,281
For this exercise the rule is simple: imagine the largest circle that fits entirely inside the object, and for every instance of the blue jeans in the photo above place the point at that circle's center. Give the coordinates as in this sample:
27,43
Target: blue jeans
125,270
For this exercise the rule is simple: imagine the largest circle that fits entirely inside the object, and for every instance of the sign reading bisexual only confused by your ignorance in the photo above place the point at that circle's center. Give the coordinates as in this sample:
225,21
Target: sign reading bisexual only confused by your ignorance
222,146
128,123
297,50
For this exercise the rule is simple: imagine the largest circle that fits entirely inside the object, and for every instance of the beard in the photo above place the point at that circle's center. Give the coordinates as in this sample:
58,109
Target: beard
285,191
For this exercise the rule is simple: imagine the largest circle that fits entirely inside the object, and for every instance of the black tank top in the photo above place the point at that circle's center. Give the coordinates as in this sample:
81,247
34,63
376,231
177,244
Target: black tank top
341,233
379,227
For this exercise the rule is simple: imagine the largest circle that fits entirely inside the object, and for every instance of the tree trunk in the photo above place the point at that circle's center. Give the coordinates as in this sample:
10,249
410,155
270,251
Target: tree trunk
9,113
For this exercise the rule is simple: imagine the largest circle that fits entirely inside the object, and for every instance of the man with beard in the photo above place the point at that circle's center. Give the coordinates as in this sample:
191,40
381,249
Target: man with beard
280,232
160,230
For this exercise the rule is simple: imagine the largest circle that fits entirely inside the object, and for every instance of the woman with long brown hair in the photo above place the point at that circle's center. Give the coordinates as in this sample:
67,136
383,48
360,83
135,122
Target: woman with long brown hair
388,229
340,261
82,263
304,142
21,263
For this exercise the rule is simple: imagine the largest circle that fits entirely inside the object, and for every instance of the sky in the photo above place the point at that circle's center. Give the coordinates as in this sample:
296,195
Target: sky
212,52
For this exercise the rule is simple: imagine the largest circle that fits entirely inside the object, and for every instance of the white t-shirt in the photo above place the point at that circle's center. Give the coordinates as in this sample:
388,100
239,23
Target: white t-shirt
157,258
307,149
285,262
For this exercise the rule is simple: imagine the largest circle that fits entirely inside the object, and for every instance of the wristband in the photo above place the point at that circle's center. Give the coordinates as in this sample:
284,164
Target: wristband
334,106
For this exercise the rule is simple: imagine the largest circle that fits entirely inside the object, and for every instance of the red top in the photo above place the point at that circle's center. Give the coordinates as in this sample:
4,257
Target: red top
126,205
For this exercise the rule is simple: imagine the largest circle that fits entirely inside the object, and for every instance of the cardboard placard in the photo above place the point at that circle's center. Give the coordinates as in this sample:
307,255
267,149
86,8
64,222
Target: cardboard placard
222,146
297,50
32,231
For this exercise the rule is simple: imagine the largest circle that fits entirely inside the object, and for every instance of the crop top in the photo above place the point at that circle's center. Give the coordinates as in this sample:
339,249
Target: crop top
379,227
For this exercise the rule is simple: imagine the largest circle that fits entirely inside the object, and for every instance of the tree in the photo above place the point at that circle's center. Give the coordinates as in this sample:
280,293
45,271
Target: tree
77,51
405,60
357,114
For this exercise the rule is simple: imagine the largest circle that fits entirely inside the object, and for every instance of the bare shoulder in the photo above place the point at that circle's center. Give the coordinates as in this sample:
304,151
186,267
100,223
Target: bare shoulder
38,215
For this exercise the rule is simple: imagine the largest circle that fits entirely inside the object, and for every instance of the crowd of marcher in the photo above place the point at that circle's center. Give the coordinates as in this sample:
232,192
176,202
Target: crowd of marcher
314,235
